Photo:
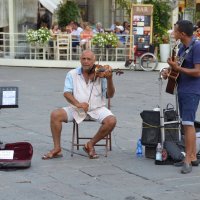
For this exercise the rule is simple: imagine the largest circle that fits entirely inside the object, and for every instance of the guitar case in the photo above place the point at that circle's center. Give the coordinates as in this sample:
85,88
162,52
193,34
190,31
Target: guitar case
23,152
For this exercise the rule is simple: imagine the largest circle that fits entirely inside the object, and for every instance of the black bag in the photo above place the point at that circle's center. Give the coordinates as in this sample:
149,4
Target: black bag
172,129
169,113
151,133
174,152
175,149
150,127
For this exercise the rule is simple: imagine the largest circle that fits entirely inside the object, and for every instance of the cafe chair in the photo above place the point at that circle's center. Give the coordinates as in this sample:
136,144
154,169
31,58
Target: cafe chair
63,46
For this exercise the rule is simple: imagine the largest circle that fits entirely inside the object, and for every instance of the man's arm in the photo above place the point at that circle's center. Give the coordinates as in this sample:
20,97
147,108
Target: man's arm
195,72
68,94
70,98
110,87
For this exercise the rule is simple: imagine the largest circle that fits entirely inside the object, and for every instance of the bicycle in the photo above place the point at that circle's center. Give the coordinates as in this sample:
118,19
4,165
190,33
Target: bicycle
146,61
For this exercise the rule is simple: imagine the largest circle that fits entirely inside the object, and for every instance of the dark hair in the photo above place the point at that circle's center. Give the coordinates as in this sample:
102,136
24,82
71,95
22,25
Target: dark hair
185,26
198,24
76,23
124,23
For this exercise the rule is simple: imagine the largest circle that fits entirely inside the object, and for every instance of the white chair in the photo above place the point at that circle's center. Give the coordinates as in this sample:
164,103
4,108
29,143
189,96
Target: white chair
39,51
63,46
120,53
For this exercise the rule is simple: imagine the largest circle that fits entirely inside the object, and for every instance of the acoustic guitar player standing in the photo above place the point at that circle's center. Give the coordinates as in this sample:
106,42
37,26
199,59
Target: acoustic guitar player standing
188,87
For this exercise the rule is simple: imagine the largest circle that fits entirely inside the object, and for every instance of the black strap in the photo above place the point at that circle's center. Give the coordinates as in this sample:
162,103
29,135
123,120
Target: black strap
187,50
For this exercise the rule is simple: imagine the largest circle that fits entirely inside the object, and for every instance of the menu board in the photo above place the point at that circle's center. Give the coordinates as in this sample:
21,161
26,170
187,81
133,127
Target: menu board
142,26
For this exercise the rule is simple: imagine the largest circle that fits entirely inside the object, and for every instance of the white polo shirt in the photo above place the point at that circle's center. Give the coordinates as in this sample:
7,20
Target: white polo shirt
76,33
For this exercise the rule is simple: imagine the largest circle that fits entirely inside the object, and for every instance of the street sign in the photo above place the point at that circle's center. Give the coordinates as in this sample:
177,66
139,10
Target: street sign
141,30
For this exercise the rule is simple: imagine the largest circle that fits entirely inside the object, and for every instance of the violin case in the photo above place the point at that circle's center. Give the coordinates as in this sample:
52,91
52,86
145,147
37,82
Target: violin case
15,155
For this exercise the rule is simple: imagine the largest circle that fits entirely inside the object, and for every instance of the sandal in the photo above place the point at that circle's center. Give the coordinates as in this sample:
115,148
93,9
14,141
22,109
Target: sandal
52,154
90,151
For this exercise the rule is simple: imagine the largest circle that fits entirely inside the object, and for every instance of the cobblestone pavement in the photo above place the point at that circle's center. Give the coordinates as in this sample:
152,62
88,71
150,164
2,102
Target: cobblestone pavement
120,176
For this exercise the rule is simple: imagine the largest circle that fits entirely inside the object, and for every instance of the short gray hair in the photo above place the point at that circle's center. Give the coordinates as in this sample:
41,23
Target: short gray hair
98,24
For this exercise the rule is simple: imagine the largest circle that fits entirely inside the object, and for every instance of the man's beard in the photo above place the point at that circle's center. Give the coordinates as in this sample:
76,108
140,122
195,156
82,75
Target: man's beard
89,69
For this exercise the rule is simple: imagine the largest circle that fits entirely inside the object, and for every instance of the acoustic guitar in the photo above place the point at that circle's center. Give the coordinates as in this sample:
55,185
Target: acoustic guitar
173,75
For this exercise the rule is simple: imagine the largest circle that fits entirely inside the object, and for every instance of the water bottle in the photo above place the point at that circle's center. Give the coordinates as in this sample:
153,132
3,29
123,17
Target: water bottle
139,151
159,152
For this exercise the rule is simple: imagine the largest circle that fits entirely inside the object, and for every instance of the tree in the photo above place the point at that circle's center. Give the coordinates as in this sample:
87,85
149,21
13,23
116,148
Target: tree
125,4
161,16
190,3
67,12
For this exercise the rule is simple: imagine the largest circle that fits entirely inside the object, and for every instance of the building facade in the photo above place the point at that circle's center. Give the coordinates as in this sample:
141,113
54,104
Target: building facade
17,16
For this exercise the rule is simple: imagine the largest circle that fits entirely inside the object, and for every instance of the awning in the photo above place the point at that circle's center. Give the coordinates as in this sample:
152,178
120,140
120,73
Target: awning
50,5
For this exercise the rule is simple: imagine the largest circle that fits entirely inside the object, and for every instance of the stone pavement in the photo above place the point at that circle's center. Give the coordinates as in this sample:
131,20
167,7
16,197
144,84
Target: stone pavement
120,176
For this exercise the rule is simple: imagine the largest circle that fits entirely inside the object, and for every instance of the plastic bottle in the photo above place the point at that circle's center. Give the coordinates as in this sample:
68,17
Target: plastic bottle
159,152
139,150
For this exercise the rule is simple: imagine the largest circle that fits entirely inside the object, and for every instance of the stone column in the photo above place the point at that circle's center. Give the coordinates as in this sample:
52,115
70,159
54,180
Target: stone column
12,25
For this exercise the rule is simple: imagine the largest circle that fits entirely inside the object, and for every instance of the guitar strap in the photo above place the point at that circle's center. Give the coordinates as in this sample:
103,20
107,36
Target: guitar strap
187,50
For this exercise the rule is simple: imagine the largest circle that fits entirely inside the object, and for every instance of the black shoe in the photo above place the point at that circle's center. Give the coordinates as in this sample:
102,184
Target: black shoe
194,163
179,164
187,168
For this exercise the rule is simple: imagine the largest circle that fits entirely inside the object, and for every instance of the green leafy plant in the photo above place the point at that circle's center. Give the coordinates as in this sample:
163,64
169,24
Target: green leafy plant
31,36
161,16
105,40
161,39
126,5
161,23
40,36
67,12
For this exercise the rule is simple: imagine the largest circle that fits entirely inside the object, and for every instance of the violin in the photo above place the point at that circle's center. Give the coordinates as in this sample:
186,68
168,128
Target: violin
104,71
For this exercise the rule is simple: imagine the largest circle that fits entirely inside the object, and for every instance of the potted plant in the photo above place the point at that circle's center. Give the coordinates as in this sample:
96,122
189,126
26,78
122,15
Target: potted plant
38,37
105,40
161,24
38,40
162,41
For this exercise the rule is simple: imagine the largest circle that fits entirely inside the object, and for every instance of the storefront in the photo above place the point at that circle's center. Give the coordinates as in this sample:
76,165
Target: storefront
17,16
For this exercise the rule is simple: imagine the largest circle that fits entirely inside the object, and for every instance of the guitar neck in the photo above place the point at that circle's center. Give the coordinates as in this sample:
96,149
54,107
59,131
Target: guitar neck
173,75
174,52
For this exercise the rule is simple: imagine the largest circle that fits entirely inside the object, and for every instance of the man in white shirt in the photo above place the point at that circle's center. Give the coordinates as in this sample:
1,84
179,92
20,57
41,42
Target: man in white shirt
98,28
76,31
86,90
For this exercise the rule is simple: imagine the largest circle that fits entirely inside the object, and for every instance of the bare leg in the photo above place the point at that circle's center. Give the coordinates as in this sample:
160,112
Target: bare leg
107,126
57,117
190,143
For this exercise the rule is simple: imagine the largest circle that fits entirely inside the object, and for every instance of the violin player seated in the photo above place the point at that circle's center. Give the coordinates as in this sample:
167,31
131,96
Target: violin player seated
85,89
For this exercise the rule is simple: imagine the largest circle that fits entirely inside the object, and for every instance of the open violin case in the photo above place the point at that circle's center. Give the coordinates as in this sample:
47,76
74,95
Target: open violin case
15,155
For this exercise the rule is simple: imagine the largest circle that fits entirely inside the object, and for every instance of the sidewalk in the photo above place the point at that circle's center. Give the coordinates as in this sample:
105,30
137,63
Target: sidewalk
64,64
120,176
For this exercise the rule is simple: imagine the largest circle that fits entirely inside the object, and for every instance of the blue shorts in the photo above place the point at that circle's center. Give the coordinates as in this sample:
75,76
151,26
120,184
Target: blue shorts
188,105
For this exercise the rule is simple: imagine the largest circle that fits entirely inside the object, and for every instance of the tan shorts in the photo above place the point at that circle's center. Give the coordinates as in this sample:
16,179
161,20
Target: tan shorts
98,115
